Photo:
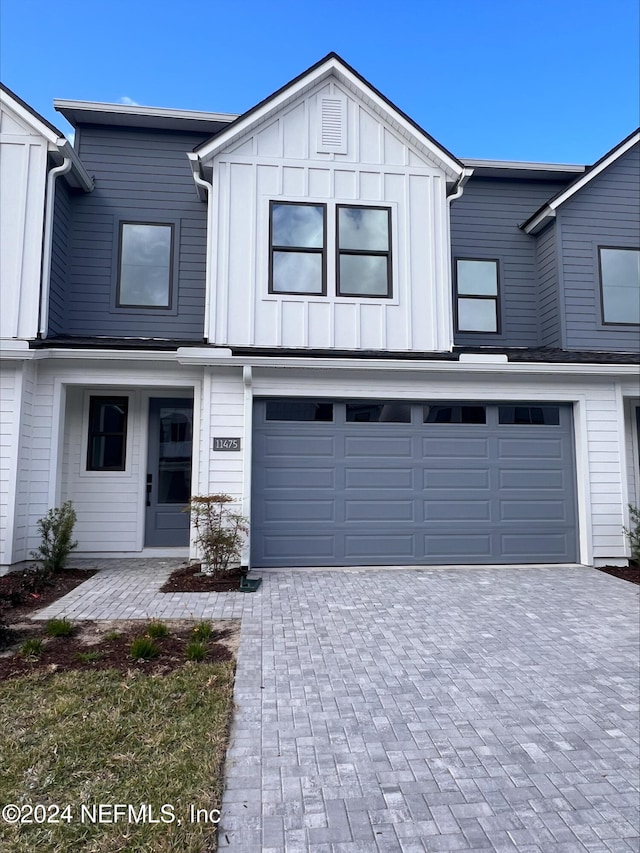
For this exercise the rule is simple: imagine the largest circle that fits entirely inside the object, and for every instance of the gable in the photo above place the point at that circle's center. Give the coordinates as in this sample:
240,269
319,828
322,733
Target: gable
18,119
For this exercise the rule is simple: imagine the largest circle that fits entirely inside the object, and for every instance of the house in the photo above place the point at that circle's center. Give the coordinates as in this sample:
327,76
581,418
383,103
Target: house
386,354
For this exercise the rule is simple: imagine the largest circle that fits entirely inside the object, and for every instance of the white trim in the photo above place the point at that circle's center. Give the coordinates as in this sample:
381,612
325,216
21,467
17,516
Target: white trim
12,484
583,480
548,212
522,164
56,447
62,104
36,123
624,478
247,458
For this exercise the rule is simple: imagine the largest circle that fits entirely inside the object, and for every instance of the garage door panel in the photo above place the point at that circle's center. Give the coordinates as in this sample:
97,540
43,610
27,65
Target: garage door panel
350,493
380,478
457,510
383,511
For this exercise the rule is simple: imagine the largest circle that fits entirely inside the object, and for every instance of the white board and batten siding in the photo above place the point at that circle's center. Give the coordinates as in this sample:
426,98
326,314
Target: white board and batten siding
23,166
282,160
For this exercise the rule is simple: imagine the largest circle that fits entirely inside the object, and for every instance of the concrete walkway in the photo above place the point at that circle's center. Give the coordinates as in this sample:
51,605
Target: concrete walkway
491,709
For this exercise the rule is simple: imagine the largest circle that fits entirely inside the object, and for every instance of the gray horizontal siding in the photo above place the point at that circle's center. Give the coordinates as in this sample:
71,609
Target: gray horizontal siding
59,258
139,175
547,262
484,224
606,212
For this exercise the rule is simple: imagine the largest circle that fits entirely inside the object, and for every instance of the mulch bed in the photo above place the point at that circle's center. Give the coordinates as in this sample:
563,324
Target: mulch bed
626,573
189,579
61,653
60,584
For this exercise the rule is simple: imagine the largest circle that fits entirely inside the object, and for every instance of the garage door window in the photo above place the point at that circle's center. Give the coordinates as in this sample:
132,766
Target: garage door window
298,410
446,414
536,415
374,412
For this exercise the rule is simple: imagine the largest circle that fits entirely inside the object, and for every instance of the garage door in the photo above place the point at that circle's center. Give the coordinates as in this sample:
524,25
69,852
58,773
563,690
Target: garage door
379,482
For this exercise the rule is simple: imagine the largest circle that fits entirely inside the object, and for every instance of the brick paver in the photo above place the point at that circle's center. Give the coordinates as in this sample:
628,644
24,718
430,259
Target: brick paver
488,709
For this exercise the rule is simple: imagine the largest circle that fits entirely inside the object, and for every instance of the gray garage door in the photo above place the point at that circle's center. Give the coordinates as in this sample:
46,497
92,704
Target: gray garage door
379,482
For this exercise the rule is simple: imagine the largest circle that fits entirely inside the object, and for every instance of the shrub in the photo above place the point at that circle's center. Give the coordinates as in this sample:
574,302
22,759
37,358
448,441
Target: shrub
56,531
202,631
59,628
157,630
633,532
31,648
220,532
143,648
89,657
195,650
112,635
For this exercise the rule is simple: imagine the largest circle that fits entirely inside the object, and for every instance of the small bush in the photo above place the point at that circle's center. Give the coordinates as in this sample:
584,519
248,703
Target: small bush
633,532
31,648
60,628
56,532
196,650
203,631
112,635
157,630
89,657
143,648
220,532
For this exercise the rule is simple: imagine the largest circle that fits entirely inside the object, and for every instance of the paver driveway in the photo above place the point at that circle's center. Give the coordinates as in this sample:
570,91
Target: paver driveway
466,709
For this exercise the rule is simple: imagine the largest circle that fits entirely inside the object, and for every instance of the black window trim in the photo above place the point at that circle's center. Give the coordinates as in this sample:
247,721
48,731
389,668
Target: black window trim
299,249
601,287
126,306
97,399
496,298
365,252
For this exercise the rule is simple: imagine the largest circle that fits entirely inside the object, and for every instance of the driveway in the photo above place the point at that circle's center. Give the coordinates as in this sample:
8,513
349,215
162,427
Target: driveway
440,709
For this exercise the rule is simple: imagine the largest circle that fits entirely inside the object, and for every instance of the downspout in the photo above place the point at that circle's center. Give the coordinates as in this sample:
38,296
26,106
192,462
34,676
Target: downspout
47,242
457,192
208,287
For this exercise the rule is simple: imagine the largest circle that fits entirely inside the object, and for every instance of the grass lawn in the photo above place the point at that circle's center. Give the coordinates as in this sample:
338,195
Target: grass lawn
106,736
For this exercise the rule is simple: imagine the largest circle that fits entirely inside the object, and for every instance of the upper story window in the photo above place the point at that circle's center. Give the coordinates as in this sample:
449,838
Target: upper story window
300,252
145,265
298,248
620,285
364,251
477,297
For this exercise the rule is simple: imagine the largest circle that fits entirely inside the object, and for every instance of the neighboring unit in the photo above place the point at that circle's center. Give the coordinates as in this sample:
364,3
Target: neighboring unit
385,354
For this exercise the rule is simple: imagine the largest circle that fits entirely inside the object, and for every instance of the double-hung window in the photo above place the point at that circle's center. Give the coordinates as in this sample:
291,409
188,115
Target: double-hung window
145,265
107,440
298,248
363,251
477,295
620,285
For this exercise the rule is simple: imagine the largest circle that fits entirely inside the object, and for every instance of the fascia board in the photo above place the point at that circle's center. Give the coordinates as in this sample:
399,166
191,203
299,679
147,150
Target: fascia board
73,110
31,119
259,114
540,218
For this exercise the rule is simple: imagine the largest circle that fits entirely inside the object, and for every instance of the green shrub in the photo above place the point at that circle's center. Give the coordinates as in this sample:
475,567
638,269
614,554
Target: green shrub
157,630
112,635
633,532
196,650
220,532
31,648
202,631
89,657
60,628
56,532
143,648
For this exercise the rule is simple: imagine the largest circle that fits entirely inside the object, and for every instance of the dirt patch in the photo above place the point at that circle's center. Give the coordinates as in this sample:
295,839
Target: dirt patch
190,579
107,645
629,573
58,585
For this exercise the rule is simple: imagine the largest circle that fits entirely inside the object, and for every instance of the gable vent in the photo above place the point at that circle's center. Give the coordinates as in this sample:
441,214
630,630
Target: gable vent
332,132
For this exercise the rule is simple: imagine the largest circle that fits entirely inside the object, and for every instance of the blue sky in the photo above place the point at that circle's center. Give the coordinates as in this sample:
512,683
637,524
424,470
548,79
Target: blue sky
551,81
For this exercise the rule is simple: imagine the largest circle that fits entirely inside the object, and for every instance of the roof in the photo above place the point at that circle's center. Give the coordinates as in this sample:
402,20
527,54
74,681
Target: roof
547,212
523,170
333,65
132,115
58,145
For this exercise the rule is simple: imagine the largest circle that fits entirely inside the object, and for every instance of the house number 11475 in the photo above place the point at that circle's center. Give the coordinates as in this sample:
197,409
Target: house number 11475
226,444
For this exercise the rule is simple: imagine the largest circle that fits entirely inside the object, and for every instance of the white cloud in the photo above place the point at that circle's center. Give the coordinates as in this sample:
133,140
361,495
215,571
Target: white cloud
125,99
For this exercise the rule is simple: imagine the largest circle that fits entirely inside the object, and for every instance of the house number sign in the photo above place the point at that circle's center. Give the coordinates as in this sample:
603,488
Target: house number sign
227,444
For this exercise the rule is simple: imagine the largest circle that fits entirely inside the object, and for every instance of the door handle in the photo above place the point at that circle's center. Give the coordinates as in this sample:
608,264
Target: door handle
149,487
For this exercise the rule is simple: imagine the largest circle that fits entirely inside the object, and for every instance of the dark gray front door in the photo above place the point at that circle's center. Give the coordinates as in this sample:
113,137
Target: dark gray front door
338,483
168,471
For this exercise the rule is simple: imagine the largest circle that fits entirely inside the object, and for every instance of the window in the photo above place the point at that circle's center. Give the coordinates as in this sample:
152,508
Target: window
375,412
298,410
106,447
536,415
364,251
477,295
298,240
449,413
620,285
145,265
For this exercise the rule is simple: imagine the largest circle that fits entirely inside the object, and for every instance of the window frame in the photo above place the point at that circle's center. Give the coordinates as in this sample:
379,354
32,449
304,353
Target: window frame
484,297
365,252
298,249
604,321
94,400
125,306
